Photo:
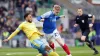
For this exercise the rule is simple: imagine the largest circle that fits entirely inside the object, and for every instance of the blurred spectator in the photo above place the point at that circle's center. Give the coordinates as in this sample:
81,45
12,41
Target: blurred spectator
40,2
11,9
60,28
20,9
25,4
19,3
34,7
10,24
11,13
1,22
2,0
92,36
2,11
11,5
29,8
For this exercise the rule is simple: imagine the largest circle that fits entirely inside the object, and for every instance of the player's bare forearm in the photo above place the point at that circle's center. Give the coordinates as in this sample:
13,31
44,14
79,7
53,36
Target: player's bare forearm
11,36
41,34
93,19
62,16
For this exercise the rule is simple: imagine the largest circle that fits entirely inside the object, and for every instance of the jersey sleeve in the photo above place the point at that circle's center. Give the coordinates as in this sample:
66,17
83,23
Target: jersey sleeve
15,32
20,27
89,16
76,20
57,17
44,16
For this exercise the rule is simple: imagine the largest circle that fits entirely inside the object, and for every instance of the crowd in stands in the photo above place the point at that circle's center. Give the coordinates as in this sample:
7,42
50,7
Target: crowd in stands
11,16
12,13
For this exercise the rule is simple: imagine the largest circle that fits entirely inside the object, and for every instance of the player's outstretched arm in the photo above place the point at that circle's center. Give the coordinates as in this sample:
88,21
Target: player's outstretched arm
11,36
93,19
62,16
40,19
41,34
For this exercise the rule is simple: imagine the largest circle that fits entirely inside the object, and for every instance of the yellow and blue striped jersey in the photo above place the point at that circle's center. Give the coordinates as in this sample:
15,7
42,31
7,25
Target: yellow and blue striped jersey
29,29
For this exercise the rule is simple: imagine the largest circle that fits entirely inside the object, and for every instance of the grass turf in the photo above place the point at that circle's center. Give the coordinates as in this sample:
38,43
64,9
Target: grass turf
76,51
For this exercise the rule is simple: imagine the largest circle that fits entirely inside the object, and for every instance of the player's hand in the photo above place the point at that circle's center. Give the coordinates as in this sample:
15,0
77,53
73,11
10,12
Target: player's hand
42,34
91,25
6,40
75,25
42,20
62,16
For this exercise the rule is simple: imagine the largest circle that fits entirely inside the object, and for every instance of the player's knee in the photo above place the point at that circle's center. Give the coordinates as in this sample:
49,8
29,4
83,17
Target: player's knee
60,42
83,38
50,42
43,53
47,48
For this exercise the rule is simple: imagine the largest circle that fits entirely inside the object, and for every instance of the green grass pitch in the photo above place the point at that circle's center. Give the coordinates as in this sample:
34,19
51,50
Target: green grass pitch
76,51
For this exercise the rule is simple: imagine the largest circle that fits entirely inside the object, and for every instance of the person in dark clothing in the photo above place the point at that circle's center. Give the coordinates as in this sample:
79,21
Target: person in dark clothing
83,22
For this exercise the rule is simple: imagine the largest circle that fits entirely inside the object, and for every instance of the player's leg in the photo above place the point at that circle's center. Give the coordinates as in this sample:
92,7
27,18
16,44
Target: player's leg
57,37
49,40
43,49
49,50
93,39
46,49
89,43
51,44
36,46
41,54
63,45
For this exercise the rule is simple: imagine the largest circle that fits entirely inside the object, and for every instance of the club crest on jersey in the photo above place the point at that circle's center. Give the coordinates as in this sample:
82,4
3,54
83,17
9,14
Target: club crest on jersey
77,18
82,21
53,20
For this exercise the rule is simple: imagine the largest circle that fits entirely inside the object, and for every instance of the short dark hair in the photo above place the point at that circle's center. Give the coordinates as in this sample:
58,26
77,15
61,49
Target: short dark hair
80,8
26,15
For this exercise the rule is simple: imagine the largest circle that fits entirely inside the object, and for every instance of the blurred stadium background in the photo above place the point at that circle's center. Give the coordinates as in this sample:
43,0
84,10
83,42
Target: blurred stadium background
12,12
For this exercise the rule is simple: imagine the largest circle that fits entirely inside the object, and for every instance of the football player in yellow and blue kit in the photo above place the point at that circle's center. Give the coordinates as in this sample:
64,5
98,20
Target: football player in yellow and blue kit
32,33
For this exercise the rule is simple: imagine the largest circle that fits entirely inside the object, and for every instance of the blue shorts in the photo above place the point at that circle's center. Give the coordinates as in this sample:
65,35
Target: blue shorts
39,45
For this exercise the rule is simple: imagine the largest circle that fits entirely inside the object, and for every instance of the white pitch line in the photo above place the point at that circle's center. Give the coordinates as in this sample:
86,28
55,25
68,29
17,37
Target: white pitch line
21,53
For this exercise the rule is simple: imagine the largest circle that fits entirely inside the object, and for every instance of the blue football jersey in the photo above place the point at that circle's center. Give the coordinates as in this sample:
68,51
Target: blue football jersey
49,24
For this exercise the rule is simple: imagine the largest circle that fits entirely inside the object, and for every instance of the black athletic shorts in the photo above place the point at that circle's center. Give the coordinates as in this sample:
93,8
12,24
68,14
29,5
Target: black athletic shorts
86,33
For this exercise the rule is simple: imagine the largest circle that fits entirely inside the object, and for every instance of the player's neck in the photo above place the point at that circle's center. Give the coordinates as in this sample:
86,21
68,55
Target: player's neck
28,21
80,14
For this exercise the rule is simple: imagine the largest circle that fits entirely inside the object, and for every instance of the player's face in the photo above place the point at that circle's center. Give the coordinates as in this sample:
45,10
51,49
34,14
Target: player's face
56,11
80,11
29,18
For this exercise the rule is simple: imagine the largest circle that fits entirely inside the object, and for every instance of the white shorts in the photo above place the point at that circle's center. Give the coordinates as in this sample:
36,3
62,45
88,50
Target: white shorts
53,35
